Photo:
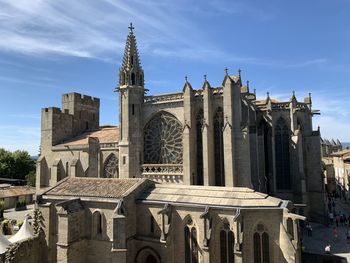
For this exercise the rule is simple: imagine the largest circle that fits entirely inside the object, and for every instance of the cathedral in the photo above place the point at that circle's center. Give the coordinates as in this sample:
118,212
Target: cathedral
201,175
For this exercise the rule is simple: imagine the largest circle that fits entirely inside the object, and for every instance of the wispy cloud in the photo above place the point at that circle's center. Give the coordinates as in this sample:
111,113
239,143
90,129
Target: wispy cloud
96,29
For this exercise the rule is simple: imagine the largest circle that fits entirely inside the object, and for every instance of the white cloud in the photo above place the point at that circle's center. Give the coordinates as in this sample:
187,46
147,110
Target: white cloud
97,29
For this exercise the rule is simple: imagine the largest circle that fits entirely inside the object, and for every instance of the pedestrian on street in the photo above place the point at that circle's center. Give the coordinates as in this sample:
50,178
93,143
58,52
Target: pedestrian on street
348,236
309,229
331,217
327,249
335,232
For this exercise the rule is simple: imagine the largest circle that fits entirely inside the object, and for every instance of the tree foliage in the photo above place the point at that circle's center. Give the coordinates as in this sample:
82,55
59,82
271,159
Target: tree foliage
16,165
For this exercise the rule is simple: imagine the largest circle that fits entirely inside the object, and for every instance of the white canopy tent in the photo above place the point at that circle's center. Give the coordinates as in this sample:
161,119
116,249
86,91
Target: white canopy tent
4,243
23,233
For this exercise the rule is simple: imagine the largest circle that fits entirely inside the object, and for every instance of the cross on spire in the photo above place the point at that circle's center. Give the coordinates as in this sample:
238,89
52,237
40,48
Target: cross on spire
131,28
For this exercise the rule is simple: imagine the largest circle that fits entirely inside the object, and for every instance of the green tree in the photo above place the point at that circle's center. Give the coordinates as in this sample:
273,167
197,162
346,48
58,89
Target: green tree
16,165
31,178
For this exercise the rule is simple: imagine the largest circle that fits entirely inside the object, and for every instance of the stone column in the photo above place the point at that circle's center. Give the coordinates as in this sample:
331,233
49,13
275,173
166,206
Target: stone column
208,137
228,85
188,137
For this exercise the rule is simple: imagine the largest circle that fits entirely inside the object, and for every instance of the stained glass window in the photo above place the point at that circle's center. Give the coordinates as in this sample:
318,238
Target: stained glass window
282,142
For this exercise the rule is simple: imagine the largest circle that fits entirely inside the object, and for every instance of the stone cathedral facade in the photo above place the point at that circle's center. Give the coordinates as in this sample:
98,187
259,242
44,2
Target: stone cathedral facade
214,140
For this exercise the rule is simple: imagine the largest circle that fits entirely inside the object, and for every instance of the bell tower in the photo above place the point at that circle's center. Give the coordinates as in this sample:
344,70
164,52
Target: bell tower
131,93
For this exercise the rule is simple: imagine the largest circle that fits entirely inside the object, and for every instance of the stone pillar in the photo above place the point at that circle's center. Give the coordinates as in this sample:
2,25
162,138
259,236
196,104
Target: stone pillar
188,137
70,244
119,248
208,136
230,176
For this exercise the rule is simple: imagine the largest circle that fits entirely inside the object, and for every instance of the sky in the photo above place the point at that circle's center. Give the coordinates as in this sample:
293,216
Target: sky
52,47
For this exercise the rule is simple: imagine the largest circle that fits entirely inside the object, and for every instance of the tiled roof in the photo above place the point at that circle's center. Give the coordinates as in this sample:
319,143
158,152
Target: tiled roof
104,135
343,153
93,187
204,195
13,191
263,102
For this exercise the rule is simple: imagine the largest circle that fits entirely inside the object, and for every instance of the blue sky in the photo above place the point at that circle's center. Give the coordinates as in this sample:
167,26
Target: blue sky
52,47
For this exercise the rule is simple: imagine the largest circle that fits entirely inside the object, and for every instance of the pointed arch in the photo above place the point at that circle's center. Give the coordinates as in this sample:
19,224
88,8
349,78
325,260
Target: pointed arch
110,166
282,155
219,147
261,244
226,243
133,78
163,140
199,146
97,224
190,241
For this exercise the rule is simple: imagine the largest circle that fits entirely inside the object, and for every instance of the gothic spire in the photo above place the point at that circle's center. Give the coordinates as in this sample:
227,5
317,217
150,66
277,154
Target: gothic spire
131,72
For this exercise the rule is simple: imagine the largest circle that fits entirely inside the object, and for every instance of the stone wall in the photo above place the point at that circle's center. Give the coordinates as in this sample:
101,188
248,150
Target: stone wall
33,250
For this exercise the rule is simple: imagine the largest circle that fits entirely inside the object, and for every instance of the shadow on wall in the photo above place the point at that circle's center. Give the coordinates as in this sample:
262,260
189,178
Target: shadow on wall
307,257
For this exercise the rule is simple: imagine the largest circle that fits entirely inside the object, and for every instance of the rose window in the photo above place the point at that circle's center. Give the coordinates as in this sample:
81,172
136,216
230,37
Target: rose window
163,140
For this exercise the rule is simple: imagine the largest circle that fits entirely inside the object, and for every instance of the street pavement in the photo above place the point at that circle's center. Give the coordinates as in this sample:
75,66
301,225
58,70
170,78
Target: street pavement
322,236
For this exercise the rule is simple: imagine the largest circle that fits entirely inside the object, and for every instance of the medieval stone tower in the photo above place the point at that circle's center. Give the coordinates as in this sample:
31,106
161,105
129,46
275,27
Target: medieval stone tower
131,93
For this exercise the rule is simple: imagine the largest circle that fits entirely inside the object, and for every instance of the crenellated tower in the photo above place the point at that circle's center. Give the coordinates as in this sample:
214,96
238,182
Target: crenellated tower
131,93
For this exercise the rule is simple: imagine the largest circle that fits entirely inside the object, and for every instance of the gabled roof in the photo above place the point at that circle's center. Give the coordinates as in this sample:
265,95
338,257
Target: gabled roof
93,187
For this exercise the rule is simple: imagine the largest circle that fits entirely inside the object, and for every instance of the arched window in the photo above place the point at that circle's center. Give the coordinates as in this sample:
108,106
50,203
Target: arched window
163,140
194,245
110,168
97,224
265,248
290,229
191,243
199,124
67,169
257,248
219,148
261,245
282,142
132,78
226,245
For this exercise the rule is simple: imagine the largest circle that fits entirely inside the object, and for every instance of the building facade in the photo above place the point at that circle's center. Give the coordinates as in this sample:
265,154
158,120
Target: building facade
138,220
213,136
186,177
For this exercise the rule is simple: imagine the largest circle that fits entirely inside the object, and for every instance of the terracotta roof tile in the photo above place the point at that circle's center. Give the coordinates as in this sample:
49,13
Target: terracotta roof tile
16,191
104,135
93,187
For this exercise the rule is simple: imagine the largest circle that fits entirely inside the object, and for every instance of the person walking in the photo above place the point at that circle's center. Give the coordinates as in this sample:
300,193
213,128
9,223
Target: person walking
309,229
331,217
347,234
335,233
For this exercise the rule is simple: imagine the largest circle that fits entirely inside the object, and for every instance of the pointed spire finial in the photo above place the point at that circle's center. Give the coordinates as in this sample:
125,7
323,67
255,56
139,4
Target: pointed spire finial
248,84
293,93
186,79
268,94
255,91
131,28
239,72
226,71
310,95
205,77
